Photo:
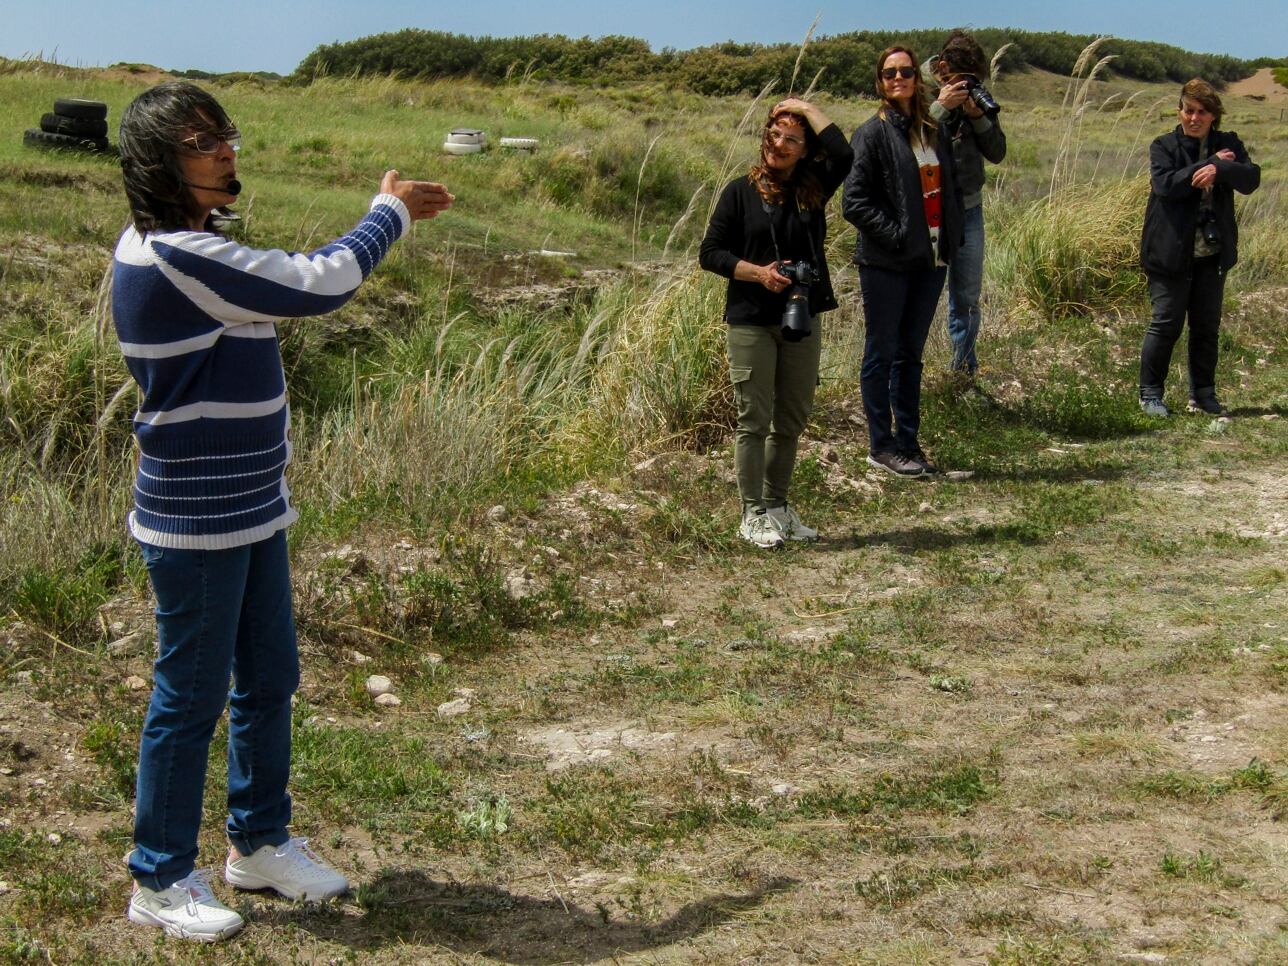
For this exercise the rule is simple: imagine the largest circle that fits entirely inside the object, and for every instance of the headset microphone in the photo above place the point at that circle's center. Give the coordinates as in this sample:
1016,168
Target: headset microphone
233,187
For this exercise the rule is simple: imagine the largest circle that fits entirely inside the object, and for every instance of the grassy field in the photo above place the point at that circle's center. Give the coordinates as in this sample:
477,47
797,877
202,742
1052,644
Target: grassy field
1033,715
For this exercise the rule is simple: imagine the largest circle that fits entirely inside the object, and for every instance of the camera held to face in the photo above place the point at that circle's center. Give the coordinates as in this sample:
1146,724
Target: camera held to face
796,317
984,100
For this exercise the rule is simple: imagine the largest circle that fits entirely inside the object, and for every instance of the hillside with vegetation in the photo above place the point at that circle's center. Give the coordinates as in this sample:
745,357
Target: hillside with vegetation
1030,714
840,63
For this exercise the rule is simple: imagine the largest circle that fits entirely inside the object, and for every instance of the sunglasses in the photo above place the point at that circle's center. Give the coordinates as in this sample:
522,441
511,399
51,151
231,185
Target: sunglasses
890,73
208,143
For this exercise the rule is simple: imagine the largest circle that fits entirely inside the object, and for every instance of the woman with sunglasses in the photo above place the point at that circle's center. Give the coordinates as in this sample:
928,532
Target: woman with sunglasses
195,313
902,197
766,225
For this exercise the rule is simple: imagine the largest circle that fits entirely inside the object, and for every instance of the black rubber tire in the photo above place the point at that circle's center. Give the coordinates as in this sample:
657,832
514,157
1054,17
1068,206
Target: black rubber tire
77,107
43,139
77,127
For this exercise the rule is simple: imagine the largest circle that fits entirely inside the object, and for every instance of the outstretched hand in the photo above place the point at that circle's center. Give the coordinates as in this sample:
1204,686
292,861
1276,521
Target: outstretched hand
424,199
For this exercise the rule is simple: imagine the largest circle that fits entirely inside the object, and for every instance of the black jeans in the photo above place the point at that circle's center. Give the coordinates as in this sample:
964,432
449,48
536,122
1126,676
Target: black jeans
1173,296
898,308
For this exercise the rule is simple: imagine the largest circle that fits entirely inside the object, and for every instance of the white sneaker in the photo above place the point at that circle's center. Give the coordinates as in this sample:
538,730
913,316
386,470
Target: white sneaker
293,869
758,527
186,910
789,523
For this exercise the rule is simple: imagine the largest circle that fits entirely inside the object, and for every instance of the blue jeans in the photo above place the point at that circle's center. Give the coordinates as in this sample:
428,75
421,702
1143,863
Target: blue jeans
965,280
898,308
221,614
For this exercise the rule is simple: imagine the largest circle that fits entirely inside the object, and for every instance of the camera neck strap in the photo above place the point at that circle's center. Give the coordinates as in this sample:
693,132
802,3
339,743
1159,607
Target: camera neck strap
805,217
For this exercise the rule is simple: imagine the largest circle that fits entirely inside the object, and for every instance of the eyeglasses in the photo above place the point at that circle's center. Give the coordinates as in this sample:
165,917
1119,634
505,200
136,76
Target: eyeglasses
778,137
890,73
208,143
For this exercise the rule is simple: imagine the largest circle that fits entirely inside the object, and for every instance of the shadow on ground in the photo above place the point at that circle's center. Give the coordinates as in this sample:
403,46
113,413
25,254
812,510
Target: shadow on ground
408,907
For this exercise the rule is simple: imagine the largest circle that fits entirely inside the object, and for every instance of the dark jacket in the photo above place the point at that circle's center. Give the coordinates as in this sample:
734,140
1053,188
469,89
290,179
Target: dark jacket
1171,216
975,139
882,198
739,231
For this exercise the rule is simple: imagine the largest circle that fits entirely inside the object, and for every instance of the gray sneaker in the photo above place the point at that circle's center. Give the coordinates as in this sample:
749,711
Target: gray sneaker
897,464
758,527
1152,406
789,524
917,456
186,910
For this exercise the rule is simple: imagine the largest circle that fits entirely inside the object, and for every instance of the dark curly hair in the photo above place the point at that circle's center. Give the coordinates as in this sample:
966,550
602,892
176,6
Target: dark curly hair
151,129
804,179
962,54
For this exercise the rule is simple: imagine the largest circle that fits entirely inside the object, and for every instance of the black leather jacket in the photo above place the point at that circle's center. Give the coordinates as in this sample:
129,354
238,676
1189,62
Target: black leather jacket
882,198
1171,216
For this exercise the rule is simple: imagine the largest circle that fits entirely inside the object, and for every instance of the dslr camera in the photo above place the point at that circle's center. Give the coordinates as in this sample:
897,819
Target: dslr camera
1208,226
796,317
984,100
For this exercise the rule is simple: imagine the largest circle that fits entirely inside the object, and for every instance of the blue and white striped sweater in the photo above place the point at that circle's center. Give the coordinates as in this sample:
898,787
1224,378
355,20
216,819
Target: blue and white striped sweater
195,314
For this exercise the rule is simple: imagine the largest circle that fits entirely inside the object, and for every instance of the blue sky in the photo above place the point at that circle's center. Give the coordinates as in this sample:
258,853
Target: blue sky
275,36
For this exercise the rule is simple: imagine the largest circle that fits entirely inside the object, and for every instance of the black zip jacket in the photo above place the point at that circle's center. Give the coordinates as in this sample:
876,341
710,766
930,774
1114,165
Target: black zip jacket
739,231
882,198
1172,214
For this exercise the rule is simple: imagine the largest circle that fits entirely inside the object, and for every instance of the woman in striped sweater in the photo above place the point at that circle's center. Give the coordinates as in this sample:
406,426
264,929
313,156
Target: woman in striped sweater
195,314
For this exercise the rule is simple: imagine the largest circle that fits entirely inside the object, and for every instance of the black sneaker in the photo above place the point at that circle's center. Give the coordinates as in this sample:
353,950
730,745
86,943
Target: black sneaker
896,463
1152,406
1207,404
917,456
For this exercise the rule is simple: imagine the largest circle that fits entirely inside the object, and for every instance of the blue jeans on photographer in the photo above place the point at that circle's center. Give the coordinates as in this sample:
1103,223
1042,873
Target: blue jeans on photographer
965,281
221,615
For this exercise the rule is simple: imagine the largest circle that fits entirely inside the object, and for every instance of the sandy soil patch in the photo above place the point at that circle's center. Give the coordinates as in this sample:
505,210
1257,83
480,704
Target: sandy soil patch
1261,86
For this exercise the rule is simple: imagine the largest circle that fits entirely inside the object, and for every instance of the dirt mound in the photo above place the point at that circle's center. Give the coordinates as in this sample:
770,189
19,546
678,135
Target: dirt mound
1261,86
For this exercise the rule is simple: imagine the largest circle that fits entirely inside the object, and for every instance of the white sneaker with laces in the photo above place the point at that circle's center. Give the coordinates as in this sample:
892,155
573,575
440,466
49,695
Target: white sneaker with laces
186,910
759,528
789,523
292,869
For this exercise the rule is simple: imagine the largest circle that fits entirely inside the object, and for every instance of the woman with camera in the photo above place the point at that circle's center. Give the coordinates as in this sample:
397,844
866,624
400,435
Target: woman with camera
767,236
1189,242
195,313
902,197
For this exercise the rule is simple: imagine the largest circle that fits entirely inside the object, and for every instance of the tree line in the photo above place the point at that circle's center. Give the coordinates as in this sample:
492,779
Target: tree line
843,62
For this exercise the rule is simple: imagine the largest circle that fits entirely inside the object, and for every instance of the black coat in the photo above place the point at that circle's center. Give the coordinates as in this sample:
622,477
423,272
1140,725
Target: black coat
739,231
883,200
1171,216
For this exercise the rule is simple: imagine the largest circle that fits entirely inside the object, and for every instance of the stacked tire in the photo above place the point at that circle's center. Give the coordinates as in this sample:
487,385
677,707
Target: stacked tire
73,125
465,140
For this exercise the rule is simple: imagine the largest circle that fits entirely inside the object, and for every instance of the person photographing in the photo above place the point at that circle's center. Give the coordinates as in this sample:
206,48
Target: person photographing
970,114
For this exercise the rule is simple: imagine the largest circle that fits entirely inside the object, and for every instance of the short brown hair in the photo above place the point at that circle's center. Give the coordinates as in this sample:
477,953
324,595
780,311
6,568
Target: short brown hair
1203,93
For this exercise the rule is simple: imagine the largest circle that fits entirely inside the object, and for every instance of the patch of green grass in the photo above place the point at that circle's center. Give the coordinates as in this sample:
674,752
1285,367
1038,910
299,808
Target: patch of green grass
54,880
954,790
113,749
380,780
1199,867
64,603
